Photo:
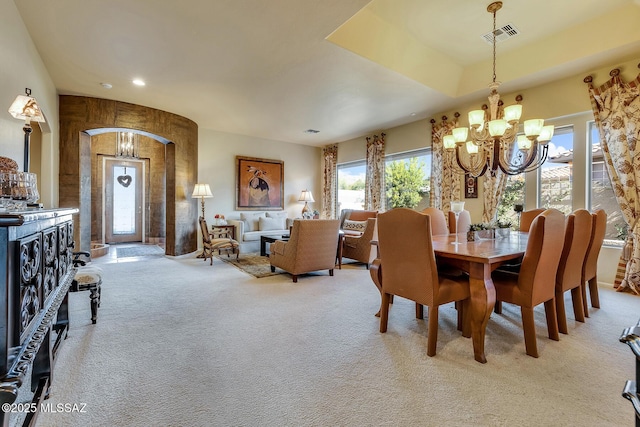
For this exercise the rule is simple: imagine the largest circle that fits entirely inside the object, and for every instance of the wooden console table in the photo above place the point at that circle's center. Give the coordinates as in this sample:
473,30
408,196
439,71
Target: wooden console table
36,271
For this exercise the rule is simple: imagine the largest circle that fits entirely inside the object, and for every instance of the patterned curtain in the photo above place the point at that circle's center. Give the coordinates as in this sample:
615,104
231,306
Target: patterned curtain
493,185
330,182
374,190
616,109
445,181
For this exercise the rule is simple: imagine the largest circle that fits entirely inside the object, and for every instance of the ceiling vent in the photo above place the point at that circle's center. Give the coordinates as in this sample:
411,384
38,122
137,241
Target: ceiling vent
311,131
502,34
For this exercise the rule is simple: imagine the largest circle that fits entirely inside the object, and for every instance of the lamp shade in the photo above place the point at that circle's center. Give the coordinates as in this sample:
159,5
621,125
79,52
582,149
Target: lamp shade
26,108
306,196
202,190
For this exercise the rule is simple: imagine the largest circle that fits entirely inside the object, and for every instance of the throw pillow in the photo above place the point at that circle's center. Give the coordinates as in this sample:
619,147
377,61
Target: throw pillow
268,224
354,225
251,220
280,214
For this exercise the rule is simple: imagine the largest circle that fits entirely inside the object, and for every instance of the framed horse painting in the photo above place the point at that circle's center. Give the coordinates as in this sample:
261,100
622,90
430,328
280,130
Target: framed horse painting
259,184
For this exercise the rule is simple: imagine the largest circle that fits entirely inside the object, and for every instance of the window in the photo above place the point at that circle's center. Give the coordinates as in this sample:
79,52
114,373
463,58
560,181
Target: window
408,179
351,181
555,175
601,192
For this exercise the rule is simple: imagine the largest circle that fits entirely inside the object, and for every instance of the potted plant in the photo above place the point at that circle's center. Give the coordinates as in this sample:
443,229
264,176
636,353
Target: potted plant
479,231
503,228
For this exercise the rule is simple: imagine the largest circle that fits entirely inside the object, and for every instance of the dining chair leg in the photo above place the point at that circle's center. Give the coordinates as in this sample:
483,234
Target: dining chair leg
419,311
529,328
593,291
562,315
552,319
432,339
578,307
497,308
459,308
585,303
384,312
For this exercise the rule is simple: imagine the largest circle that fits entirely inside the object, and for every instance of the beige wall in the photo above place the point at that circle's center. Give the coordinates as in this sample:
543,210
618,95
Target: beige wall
22,68
217,153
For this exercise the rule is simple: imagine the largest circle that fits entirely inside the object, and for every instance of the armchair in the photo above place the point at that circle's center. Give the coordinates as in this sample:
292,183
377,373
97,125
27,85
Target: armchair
359,247
311,247
211,243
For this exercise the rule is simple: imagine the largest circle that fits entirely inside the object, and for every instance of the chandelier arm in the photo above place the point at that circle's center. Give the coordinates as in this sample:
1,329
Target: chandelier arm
543,158
476,170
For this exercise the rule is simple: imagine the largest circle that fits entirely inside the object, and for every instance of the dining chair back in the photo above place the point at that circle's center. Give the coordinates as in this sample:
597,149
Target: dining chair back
526,218
577,234
590,267
464,221
412,272
438,221
535,282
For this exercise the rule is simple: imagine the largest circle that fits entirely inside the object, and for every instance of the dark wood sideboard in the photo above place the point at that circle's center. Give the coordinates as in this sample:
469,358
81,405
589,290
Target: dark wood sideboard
36,270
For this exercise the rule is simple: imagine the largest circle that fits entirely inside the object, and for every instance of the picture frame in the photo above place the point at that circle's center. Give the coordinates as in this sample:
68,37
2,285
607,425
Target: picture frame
470,186
259,184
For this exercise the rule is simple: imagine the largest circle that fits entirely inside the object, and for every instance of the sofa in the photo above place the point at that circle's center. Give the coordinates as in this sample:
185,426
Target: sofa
253,225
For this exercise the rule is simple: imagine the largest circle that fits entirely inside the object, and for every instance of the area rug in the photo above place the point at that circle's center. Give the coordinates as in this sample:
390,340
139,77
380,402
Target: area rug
139,250
252,263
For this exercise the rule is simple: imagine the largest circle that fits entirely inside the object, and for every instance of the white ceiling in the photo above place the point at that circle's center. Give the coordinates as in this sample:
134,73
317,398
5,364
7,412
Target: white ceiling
272,69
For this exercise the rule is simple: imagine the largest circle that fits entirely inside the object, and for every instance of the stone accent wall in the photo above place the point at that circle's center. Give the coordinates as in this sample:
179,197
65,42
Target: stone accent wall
176,168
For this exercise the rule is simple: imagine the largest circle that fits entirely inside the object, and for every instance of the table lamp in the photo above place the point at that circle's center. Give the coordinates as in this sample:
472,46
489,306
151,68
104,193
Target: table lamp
203,191
306,197
26,108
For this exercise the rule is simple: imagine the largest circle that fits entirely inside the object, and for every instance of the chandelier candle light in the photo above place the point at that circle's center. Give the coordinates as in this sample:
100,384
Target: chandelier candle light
492,134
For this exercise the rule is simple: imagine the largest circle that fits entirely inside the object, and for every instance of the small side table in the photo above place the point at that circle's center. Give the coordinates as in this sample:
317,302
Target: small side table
226,230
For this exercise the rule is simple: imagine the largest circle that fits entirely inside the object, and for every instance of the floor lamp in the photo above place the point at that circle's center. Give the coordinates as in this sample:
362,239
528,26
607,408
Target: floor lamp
202,191
26,108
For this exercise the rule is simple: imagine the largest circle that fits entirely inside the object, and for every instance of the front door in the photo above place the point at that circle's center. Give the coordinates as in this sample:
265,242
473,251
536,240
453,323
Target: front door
123,200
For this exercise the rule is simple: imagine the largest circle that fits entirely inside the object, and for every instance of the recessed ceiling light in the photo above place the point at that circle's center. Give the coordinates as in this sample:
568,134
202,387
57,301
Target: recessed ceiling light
106,85
138,82
311,131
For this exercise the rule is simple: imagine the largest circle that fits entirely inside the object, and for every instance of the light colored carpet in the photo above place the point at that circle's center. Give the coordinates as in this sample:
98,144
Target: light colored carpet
251,263
181,343
138,250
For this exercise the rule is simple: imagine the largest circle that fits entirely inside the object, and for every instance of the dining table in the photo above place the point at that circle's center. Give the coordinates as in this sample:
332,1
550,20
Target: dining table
479,258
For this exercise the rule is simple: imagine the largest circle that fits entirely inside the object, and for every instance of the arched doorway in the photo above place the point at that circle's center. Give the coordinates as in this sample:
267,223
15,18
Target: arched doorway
81,115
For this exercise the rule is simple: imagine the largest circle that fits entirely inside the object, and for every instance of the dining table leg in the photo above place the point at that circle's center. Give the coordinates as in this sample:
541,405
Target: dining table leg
483,298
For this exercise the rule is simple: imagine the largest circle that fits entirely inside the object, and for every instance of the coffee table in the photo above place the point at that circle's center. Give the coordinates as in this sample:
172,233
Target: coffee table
270,239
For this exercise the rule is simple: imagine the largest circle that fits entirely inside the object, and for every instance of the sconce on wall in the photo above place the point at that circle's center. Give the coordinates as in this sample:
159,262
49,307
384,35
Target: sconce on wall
26,108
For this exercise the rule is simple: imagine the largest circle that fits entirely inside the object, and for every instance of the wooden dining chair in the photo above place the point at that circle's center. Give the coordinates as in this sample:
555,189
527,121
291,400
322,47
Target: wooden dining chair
577,234
412,272
590,267
535,282
464,221
438,221
526,218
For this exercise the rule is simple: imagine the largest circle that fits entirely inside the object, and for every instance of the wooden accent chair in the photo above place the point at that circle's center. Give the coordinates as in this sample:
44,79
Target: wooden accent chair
526,218
412,272
211,243
535,283
438,221
590,267
577,234
464,221
311,247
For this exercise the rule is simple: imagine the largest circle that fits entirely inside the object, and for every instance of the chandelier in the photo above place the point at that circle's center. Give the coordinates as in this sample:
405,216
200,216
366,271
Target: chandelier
488,143
127,145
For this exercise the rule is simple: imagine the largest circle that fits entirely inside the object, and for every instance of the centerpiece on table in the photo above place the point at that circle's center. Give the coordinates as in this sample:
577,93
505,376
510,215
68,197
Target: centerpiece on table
499,229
